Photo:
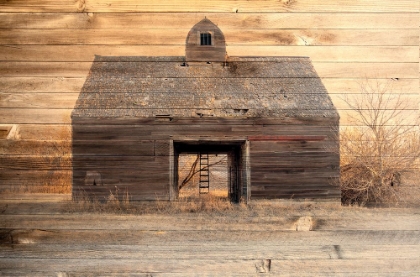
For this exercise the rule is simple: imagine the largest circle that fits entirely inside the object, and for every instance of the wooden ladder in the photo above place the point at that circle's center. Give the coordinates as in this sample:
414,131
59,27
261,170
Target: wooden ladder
204,183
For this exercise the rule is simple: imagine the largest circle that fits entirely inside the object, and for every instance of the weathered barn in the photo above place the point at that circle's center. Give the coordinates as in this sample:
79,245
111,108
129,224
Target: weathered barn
271,116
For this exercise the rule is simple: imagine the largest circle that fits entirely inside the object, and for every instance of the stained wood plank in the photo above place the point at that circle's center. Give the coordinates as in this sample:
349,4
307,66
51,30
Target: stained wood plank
62,248
264,147
31,177
68,71
137,132
343,86
312,20
174,37
41,84
77,53
62,116
20,162
340,85
42,116
372,70
37,147
318,120
370,227
411,101
141,163
38,100
45,132
107,147
218,266
236,6
308,137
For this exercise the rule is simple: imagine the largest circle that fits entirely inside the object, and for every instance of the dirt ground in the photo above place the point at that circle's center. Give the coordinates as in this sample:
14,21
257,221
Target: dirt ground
271,238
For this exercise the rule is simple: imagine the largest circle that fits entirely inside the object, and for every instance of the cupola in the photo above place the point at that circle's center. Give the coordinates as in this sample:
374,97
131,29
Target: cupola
205,43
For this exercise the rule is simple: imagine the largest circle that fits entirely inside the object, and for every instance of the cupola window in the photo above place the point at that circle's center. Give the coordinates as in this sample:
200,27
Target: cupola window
205,39
205,43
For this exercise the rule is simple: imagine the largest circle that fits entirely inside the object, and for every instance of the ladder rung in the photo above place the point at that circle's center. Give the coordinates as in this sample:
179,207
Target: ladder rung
204,183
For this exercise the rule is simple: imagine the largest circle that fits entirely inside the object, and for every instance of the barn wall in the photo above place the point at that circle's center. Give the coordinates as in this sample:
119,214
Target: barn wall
289,158
47,48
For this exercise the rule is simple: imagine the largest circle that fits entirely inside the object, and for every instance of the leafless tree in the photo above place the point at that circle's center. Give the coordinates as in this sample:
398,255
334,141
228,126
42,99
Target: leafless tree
382,143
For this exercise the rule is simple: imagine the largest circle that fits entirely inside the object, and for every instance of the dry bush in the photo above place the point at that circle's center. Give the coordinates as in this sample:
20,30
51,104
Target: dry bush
382,144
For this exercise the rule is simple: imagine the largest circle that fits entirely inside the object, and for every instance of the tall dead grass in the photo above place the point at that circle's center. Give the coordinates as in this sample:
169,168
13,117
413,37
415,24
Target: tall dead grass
205,204
113,203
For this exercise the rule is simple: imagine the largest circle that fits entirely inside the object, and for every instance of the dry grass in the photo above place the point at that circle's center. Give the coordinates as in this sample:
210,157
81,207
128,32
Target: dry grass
211,204
114,203
204,203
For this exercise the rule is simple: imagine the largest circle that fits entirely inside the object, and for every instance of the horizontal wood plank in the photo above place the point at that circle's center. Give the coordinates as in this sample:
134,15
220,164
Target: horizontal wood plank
312,20
42,84
234,37
345,242
62,116
78,53
378,228
334,85
38,100
229,6
205,251
219,266
68,71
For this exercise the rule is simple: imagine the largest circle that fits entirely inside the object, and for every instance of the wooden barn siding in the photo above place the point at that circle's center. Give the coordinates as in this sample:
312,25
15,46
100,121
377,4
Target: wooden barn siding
47,47
139,162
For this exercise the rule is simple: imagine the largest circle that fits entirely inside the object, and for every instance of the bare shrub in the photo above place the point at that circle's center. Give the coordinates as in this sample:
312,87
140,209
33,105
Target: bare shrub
382,144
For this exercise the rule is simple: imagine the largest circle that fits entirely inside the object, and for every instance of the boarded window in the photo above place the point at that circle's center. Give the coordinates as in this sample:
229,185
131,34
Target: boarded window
205,39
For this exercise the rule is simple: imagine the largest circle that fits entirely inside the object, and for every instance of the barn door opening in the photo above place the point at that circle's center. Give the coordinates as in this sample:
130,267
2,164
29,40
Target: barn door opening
202,168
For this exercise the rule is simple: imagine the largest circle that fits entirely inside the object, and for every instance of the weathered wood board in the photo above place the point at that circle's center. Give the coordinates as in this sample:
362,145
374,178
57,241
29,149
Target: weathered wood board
44,239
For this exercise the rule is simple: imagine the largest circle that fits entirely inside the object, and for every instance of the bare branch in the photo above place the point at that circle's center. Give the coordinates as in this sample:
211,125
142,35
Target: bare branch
379,147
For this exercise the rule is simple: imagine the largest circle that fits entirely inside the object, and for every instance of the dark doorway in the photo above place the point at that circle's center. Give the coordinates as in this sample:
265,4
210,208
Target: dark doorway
215,168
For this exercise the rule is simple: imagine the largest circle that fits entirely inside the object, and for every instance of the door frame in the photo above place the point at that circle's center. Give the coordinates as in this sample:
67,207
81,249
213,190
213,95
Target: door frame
238,149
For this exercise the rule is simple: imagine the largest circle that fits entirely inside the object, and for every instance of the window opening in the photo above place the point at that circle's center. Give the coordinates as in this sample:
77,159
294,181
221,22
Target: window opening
205,39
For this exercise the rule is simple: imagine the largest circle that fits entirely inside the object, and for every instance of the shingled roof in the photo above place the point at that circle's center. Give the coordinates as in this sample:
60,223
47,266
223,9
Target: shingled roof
168,86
